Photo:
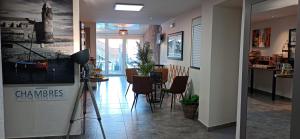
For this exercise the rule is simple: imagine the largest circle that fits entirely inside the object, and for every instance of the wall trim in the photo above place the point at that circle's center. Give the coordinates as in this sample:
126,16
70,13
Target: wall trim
209,129
213,128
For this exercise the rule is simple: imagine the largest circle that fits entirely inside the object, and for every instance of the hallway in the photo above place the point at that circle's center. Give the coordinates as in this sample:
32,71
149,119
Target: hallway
120,123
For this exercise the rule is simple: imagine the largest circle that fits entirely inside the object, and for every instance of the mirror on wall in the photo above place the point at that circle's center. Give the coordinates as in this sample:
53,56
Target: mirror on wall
271,56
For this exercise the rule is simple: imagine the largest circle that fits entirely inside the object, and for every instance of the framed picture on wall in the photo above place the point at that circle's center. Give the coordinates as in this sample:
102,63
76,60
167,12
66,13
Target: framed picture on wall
292,45
292,37
261,38
175,46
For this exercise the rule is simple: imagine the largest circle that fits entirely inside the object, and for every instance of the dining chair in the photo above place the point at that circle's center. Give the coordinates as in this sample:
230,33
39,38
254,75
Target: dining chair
130,72
165,76
142,85
178,87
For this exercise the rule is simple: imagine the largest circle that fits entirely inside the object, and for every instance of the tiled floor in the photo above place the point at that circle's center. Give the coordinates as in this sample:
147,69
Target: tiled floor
120,123
268,119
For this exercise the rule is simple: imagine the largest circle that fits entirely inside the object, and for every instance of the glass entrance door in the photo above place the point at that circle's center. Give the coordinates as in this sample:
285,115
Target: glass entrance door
116,54
115,58
101,54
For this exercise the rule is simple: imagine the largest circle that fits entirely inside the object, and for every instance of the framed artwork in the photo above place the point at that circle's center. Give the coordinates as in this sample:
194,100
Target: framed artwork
292,46
261,38
37,41
175,46
292,37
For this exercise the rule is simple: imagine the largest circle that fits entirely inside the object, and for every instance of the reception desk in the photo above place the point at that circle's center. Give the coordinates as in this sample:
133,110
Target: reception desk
275,75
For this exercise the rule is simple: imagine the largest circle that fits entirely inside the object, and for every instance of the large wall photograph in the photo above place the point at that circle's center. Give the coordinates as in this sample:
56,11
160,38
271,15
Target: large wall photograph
37,41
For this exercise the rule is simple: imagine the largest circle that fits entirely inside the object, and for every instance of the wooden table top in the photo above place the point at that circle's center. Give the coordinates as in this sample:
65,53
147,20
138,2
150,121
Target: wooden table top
284,75
270,69
97,79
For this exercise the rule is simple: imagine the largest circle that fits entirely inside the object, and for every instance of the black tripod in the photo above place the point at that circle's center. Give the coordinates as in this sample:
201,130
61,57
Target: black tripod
85,87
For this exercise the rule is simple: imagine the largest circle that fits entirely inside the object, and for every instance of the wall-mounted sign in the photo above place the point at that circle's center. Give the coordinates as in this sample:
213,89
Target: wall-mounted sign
39,94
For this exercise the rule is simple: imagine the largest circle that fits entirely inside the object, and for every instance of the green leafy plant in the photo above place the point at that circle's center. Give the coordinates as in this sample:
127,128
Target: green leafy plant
144,59
190,100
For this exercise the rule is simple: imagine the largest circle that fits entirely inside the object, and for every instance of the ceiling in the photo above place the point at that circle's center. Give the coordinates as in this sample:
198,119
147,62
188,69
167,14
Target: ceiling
113,28
269,5
271,9
154,12
276,13
232,3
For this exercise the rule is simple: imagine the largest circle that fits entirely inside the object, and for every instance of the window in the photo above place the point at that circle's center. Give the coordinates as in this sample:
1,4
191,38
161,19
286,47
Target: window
196,42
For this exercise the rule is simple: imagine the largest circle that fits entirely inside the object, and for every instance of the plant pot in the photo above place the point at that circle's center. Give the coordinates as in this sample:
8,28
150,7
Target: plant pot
189,110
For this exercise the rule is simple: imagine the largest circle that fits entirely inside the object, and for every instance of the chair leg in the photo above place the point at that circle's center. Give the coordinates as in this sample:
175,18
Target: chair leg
134,101
149,102
137,97
166,87
181,95
127,89
172,101
162,95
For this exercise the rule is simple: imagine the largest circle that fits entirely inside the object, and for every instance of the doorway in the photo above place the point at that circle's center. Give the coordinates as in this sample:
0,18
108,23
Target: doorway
114,54
267,86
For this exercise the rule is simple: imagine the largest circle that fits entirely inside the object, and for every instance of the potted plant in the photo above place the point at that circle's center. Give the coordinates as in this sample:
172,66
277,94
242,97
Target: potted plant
190,105
144,59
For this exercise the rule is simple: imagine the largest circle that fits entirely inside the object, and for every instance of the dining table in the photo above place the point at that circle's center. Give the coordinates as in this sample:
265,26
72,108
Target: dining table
156,76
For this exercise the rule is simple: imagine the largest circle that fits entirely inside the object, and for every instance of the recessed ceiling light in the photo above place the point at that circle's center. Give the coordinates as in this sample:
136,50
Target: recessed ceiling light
128,7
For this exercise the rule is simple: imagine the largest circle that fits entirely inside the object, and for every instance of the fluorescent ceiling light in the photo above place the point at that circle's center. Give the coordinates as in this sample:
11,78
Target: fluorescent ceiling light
128,7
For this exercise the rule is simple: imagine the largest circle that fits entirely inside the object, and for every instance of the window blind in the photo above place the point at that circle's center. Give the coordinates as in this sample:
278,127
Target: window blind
196,42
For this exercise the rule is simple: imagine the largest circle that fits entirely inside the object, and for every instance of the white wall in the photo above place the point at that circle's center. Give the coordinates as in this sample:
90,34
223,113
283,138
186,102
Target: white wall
224,65
279,36
2,136
182,23
205,59
43,118
150,36
216,82
200,78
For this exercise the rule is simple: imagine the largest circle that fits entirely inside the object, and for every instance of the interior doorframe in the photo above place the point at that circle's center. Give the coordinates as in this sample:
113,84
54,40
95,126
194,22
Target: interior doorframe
295,121
243,76
243,71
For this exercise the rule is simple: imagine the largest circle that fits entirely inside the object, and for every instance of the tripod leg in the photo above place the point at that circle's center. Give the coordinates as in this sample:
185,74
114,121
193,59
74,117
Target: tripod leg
79,94
84,107
96,108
